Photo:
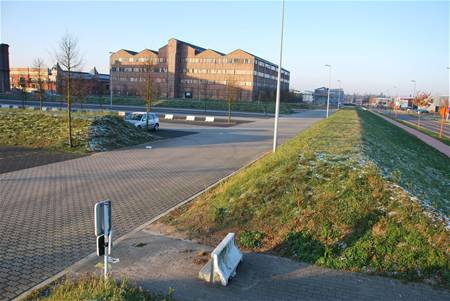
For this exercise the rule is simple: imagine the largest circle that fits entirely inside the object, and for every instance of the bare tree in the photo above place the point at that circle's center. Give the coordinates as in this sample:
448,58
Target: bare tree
82,89
231,91
69,59
147,88
39,64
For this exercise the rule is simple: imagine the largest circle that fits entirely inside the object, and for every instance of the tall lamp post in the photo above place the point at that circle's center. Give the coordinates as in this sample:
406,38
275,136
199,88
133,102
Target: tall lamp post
339,93
277,103
110,81
329,88
414,82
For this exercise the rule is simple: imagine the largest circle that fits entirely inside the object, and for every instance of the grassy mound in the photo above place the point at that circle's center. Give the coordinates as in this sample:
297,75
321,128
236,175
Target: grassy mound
91,287
47,130
322,200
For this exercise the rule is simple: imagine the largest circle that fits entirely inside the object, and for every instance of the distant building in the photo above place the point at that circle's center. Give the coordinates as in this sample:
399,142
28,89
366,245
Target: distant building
182,70
53,80
4,68
28,79
320,96
307,96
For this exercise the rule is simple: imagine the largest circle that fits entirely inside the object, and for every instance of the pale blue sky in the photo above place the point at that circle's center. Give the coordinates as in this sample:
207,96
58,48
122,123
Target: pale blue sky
372,45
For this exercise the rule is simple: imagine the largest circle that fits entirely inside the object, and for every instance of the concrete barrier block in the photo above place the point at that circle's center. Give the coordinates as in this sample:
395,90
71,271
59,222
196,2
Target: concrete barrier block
55,109
209,119
121,114
5,106
30,108
168,116
223,263
190,118
44,108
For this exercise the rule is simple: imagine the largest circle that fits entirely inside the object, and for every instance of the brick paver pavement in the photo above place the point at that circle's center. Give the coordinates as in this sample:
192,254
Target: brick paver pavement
46,212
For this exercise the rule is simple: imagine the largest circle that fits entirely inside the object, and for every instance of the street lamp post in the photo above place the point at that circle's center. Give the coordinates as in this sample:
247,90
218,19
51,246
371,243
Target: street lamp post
339,94
277,103
110,81
329,88
414,82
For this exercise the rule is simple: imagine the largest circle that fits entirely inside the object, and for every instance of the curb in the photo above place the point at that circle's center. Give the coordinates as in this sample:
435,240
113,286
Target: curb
77,265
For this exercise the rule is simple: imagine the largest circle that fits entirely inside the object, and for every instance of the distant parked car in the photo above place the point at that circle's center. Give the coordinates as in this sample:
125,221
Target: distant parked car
421,111
138,119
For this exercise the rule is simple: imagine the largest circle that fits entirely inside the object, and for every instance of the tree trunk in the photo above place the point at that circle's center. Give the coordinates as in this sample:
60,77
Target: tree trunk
229,111
69,111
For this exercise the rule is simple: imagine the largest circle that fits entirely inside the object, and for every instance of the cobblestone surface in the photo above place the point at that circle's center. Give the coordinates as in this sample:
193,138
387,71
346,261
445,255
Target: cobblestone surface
46,212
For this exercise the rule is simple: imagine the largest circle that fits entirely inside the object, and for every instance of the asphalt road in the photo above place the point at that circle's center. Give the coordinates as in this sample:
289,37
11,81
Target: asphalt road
46,212
181,111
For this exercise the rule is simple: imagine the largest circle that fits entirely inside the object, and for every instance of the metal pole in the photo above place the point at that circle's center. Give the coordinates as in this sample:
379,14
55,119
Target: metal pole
105,233
329,88
277,103
339,94
110,82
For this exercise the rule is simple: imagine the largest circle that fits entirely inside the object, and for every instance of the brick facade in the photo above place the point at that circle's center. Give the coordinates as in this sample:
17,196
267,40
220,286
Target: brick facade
183,70
54,80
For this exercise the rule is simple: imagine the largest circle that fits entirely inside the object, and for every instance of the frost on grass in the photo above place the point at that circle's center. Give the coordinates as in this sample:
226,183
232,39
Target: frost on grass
49,131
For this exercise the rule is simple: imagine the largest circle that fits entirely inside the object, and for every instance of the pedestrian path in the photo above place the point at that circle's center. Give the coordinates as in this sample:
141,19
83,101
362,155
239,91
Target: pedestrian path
157,262
442,147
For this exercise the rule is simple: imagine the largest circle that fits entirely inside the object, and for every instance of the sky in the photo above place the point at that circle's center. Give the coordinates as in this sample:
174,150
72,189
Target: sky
373,46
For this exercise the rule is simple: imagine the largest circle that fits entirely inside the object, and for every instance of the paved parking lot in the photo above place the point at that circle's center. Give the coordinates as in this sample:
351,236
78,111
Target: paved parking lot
46,212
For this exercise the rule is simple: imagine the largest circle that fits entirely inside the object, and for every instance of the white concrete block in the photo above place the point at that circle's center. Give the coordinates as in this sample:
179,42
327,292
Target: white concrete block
44,108
55,109
30,108
190,118
121,114
209,119
5,106
168,116
15,107
223,263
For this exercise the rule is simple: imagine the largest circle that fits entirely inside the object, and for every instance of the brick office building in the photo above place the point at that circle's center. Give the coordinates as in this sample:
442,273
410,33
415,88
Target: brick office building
28,79
54,80
183,70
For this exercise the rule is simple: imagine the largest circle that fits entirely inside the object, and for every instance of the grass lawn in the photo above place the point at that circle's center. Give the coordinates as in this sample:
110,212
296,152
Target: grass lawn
90,287
48,130
322,198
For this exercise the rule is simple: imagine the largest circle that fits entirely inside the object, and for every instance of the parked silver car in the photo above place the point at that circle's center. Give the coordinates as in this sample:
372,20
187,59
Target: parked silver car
138,119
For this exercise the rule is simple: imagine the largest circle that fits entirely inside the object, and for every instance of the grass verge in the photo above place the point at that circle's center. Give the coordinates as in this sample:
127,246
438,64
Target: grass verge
323,199
91,287
48,130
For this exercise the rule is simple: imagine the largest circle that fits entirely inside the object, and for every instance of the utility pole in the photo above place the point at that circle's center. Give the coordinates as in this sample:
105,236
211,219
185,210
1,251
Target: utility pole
277,103
414,82
110,81
329,88
339,94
